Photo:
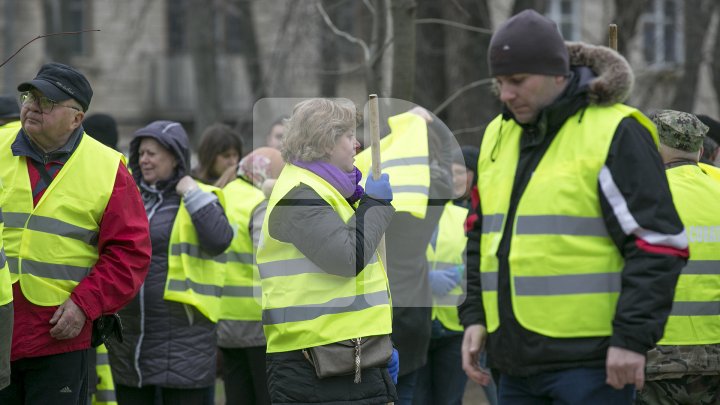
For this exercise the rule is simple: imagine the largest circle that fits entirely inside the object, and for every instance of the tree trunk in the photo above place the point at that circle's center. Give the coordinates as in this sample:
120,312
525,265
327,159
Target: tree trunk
538,5
328,53
697,19
252,54
430,86
403,78
466,62
202,46
715,66
627,14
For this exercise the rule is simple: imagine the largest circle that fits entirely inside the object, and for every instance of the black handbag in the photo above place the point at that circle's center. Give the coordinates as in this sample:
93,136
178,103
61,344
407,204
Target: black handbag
104,328
350,356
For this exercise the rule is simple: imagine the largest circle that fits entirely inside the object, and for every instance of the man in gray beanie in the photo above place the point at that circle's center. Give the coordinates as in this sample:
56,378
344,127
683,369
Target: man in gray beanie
577,244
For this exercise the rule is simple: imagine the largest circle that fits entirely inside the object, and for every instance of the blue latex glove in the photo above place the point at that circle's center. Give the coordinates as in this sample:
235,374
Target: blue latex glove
380,188
442,281
394,365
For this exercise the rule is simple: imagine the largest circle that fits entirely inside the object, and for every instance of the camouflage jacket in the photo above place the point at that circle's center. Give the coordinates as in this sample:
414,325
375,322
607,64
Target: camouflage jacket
665,362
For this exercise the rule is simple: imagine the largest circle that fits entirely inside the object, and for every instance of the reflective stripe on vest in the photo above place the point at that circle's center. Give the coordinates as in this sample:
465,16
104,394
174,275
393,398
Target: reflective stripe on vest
564,268
241,295
52,246
304,306
5,283
405,159
194,277
448,253
695,315
105,388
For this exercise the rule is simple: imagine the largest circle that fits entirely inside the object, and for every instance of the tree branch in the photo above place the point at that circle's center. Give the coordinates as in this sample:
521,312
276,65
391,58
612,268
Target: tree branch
459,92
347,36
44,36
453,24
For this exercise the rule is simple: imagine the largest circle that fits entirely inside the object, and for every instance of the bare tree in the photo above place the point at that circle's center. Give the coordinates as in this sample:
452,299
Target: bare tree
403,23
203,51
430,83
697,19
537,5
715,66
472,104
627,14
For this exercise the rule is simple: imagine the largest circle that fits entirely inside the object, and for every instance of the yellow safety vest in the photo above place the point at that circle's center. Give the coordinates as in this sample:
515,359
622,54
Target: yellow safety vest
565,270
194,277
712,171
304,306
449,252
241,291
51,247
105,389
5,283
695,317
404,154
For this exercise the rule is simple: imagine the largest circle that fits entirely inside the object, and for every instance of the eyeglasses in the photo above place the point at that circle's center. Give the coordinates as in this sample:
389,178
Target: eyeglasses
46,104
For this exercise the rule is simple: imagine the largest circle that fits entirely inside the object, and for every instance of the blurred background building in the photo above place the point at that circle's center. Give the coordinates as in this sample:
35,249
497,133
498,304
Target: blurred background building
199,61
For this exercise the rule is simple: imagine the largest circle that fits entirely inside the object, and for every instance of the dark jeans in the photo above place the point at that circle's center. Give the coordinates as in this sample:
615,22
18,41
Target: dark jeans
442,380
60,379
244,375
406,387
584,386
152,395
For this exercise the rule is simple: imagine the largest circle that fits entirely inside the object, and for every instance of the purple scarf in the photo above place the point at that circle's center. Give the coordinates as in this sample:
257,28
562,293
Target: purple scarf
345,183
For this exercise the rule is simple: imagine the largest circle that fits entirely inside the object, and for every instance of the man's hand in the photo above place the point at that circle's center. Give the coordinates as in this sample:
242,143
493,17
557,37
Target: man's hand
69,320
625,367
473,343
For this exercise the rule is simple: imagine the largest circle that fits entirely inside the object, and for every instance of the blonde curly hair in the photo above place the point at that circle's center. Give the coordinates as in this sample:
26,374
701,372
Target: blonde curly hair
315,126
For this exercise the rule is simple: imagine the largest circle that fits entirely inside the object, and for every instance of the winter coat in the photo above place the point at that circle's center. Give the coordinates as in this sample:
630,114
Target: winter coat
169,344
303,218
600,77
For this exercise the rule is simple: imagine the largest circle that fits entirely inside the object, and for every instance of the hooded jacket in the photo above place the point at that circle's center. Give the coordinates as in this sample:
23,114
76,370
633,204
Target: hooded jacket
166,343
600,77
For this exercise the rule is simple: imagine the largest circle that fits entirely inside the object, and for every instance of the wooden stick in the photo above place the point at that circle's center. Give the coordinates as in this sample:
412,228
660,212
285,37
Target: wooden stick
612,34
374,135
374,112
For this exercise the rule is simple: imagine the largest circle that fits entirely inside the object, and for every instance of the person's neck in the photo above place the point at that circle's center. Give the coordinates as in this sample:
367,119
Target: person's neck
48,144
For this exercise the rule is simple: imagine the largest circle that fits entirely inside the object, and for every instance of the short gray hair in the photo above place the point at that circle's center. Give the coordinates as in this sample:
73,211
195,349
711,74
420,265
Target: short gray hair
315,126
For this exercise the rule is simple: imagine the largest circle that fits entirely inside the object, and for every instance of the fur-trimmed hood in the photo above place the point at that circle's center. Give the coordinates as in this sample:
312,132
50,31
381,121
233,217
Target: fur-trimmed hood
613,79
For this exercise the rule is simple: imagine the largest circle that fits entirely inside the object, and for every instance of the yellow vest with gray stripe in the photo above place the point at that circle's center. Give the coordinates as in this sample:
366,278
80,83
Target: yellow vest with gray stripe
105,388
194,277
449,251
51,247
695,317
712,171
404,154
565,271
304,306
241,291
5,283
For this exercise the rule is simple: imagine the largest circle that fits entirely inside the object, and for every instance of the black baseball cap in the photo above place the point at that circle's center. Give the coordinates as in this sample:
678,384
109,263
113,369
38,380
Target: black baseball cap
9,107
60,82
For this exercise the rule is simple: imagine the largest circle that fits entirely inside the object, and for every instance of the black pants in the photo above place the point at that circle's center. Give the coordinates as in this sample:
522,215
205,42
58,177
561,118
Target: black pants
244,376
152,395
60,379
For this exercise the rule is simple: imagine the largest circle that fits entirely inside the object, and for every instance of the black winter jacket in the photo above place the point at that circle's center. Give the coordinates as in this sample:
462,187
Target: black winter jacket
169,344
649,275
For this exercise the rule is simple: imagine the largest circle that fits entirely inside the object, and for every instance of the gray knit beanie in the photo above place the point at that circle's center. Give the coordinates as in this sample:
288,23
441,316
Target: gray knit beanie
528,43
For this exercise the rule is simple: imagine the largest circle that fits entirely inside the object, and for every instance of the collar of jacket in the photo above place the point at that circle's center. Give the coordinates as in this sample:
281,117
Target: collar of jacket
23,146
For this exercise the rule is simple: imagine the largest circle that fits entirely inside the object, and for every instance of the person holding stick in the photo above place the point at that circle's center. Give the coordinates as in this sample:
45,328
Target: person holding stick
578,246
325,293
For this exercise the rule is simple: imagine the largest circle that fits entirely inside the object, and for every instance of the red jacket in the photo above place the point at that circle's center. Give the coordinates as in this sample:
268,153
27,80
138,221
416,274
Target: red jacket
124,248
